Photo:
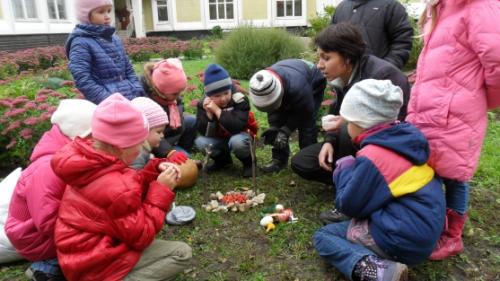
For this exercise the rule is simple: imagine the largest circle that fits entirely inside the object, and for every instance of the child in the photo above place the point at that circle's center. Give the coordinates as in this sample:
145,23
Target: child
163,82
157,120
393,196
225,121
97,58
110,214
37,195
457,82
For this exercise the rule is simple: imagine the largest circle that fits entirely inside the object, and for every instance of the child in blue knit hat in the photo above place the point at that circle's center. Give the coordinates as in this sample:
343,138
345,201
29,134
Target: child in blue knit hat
225,121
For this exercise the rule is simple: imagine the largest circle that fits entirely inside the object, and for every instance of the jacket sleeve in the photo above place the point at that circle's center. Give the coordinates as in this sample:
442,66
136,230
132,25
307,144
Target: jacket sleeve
234,121
80,61
361,189
132,77
484,36
400,34
201,118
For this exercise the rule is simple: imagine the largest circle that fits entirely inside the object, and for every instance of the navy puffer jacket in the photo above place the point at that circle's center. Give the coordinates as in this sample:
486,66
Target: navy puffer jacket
99,64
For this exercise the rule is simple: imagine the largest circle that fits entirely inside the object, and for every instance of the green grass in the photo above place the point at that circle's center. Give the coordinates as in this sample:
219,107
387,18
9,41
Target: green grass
233,246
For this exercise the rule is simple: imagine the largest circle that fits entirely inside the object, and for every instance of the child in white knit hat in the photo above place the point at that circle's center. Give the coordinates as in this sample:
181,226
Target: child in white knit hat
393,196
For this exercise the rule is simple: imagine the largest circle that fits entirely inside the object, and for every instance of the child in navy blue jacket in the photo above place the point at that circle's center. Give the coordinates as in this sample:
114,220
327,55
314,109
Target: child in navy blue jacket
97,59
393,196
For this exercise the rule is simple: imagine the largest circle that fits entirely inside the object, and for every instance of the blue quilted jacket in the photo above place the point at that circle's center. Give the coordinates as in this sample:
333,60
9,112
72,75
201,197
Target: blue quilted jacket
99,64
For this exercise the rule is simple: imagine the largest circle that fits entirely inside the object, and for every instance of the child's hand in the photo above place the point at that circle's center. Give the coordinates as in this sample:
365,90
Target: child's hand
177,157
170,176
210,106
331,123
325,157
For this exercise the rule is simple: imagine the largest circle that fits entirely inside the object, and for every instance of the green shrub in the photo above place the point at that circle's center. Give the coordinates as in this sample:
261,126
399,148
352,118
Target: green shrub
416,47
248,49
319,22
194,50
216,32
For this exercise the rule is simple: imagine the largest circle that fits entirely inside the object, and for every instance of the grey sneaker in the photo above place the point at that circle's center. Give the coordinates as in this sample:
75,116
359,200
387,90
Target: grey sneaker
332,216
372,268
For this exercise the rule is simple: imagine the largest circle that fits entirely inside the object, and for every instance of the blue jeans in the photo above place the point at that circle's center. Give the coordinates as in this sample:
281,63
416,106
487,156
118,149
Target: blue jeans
457,195
331,243
239,144
47,266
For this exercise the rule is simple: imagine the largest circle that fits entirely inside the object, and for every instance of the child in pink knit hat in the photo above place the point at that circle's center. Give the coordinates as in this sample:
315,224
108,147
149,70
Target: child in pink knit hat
110,214
97,59
163,82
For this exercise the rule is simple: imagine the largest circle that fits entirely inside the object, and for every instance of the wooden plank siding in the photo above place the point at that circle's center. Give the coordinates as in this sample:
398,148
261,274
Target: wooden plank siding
21,42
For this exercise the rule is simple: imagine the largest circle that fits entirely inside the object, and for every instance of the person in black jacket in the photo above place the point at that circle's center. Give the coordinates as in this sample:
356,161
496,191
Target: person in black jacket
291,92
224,121
384,25
343,61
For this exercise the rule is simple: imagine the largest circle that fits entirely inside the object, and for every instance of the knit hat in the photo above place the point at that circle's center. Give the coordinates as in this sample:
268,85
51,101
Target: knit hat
265,90
117,122
73,117
371,102
168,76
84,7
216,80
154,112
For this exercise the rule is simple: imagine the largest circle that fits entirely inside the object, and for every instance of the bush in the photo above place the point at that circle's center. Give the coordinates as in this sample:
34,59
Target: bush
247,50
319,22
416,47
216,32
194,50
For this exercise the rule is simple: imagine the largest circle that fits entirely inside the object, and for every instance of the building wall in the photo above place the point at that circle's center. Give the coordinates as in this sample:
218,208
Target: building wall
188,10
1,11
148,15
254,9
311,8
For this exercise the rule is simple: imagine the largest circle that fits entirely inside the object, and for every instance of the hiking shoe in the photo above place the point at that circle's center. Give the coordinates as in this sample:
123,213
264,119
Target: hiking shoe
274,166
247,167
372,268
219,163
332,216
42,276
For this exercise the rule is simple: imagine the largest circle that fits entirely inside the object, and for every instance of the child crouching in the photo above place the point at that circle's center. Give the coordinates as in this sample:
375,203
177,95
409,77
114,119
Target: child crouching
110,214
393,196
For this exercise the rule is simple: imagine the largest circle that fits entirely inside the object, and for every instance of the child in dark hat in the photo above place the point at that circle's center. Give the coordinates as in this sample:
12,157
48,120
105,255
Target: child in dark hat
225,121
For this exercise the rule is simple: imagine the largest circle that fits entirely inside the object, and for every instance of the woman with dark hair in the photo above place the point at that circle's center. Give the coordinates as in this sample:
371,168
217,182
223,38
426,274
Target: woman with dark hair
343,62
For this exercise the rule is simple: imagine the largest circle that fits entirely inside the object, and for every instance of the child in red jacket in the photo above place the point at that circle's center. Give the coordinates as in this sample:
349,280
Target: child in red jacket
110,213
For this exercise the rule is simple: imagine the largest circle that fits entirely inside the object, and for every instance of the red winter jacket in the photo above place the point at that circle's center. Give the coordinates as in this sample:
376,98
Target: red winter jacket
109,213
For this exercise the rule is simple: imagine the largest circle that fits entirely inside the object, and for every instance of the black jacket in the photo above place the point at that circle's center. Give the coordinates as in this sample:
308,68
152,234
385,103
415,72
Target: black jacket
371,67
303,85
384,24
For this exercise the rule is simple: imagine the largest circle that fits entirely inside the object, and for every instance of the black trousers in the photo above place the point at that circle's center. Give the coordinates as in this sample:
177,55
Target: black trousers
306,164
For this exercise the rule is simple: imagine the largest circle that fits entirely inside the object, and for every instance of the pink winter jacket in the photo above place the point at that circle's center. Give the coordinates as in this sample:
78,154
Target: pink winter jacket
458,78
35,201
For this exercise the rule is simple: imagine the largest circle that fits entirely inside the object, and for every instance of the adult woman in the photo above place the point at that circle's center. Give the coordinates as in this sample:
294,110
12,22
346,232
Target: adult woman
343,62
457,80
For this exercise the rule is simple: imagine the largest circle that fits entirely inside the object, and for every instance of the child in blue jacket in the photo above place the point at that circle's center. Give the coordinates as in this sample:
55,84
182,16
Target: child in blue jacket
97,59
393,196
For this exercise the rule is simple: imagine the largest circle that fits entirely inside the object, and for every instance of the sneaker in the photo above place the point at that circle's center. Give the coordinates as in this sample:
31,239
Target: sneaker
332,216
274,166
219,163
42,276
372,268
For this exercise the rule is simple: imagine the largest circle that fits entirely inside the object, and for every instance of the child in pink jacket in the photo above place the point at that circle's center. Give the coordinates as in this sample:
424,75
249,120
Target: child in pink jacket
37,195
458,79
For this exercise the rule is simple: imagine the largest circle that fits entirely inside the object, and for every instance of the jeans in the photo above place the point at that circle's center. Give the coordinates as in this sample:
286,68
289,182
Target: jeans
239,144
331,243
47,266
457,195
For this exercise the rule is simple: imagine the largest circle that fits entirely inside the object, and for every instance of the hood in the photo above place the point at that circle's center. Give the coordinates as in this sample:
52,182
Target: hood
79,164
404,139
51,141
89,30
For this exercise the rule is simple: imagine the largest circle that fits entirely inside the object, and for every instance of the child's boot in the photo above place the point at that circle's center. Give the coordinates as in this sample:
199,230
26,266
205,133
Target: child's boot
220,161
247,167
450,243
372,268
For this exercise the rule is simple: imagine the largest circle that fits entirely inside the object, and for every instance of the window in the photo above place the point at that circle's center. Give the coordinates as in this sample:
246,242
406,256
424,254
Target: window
221,9
162,7
24,9
57,9
289,8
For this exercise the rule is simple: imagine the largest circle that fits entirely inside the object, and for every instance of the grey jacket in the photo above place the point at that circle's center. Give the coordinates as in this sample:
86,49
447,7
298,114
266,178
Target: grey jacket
384,24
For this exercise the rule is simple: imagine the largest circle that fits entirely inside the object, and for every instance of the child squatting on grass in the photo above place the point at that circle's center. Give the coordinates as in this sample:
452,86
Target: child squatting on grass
110,213
35,202
225,121
393,196
97,59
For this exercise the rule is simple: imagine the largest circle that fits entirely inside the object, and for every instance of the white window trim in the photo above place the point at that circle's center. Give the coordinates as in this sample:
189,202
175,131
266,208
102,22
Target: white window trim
163,25
275,9
58,20
37,19
235,13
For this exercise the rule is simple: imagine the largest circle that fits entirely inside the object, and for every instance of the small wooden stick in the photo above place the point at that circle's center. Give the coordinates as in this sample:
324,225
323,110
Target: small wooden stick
254,162
208,152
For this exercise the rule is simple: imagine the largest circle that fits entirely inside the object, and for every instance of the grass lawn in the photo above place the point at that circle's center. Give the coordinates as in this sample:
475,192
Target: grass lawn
233,246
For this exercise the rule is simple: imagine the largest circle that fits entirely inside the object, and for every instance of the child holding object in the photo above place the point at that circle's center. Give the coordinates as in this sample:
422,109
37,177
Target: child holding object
110,214
393,196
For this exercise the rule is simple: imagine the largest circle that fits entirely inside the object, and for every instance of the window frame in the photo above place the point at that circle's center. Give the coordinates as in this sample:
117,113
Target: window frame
58,17
217,19
25,11
293,16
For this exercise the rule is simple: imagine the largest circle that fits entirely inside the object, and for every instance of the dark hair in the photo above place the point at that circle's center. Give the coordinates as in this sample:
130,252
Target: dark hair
343,38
